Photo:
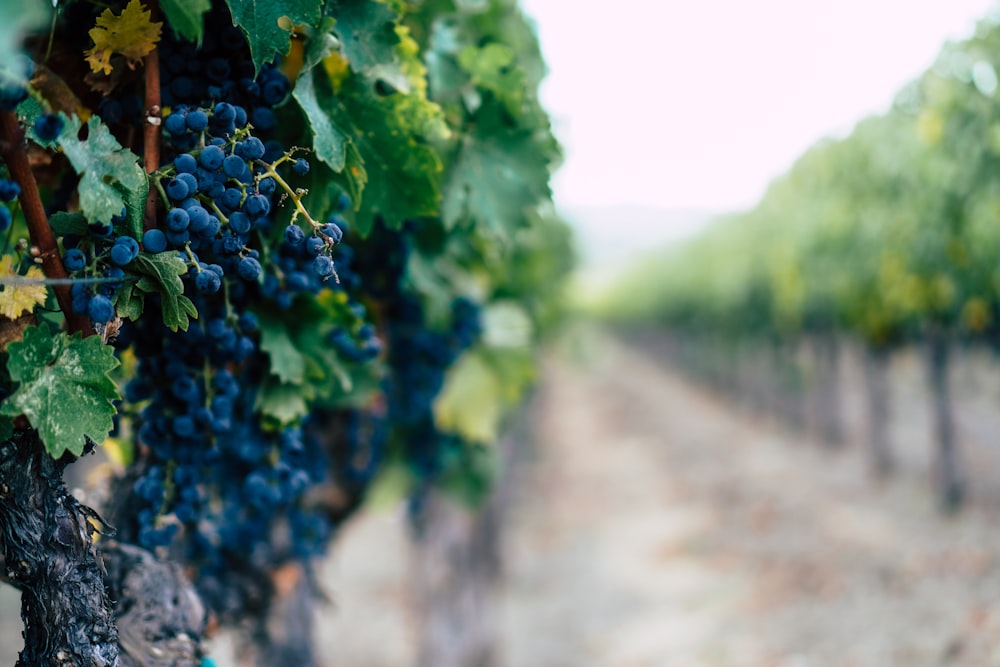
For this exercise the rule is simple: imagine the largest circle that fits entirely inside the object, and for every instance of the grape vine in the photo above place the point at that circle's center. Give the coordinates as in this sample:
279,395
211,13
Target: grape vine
264,254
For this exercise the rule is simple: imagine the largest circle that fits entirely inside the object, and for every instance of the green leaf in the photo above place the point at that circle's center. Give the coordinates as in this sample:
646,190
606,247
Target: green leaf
287,363
499,172
161,274
283,403
106,169
319,43
492,68
268,24
129,302
329,142
369,40
64,389
68,223
391,134
471,402
186,17
135,206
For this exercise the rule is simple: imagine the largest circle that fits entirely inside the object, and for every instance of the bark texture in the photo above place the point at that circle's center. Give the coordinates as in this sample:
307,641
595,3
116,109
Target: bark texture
49,555
948,477
877,386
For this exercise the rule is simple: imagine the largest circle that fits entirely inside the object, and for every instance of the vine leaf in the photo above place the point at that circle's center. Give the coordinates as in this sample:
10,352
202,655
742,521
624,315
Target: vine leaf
106,169
303,366
161,274
19,297
493,68
185,17
388,151
268,24
500,171
64,390
287,363
132,34
471,402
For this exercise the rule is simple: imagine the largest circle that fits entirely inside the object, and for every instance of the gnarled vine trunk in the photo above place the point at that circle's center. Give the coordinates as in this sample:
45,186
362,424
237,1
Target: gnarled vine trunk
49,555
876,383
827,351
948,478
456,569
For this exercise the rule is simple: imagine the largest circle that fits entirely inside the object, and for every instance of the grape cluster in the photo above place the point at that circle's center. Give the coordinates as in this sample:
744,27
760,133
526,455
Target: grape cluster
418,356
97,258
217,481
9,190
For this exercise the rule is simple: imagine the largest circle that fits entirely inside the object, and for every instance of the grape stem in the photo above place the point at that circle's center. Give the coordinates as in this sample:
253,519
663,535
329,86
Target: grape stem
295,195
12,150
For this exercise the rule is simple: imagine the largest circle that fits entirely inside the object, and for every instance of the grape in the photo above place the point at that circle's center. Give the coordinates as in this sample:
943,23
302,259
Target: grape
257,206
334,231
197,120
231,198
301,167
208,282
315,245
9,190
175,123
211,157
177,189
264,119
250,148
74,260
185,163
124,250
323,266
5,218
48,127
178,220
100,309
249,268
294,236
233,166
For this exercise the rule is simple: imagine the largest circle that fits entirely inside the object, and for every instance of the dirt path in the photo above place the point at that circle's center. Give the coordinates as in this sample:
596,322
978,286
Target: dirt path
657,528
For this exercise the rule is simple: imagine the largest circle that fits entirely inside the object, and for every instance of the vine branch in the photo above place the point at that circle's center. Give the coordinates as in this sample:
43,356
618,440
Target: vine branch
12,150
151,127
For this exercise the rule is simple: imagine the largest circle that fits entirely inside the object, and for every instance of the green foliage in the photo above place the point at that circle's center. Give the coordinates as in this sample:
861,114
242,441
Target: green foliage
886,233
110,176
498,173
304,369
64,388
186,17
158,274
268,24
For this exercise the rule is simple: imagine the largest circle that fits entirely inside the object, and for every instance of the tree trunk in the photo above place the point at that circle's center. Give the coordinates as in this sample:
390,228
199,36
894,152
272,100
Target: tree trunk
827,350
947,473
457,566
284,634
876,382
49,555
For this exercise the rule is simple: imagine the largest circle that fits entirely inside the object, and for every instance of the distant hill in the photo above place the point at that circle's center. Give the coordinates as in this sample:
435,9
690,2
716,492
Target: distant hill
611,234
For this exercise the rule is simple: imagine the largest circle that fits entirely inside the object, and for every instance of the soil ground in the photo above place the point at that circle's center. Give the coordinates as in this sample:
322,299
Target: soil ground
654,525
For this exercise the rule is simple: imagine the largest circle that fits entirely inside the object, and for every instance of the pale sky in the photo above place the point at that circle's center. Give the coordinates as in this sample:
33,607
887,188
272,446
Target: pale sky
700,103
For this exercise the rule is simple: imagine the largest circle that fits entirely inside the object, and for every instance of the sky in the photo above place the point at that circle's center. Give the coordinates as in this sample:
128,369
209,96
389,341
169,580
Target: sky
701,103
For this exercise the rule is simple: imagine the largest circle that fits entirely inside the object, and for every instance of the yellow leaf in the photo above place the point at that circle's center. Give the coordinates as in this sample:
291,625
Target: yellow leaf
17,294
132,35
